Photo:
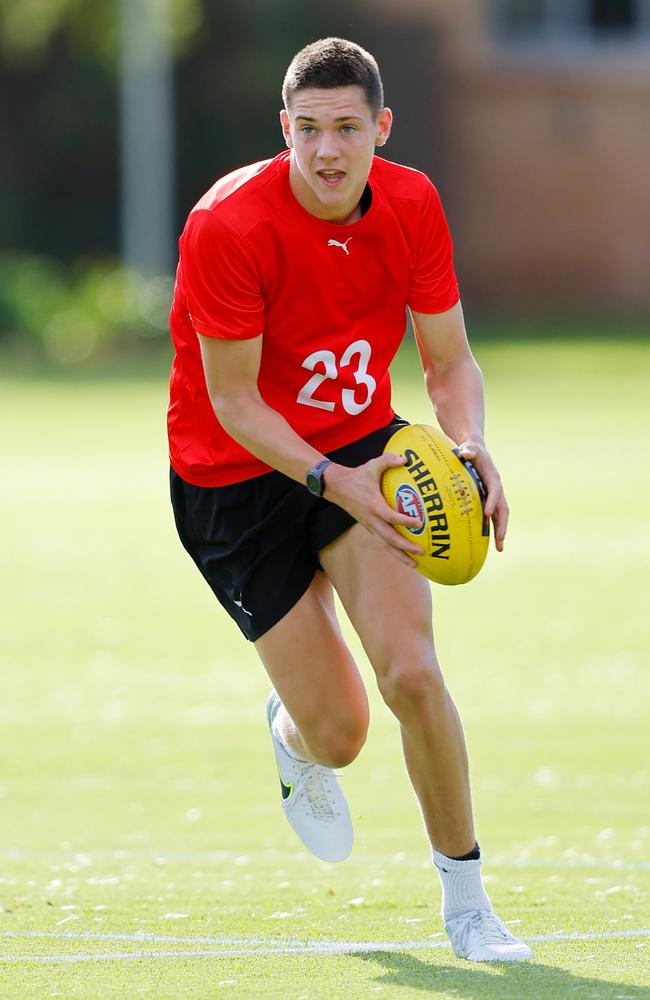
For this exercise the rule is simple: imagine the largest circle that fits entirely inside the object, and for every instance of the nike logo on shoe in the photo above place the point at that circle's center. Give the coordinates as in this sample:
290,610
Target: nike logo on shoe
285,789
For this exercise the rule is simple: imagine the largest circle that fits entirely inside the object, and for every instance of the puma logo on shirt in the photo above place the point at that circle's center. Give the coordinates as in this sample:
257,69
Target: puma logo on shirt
343,246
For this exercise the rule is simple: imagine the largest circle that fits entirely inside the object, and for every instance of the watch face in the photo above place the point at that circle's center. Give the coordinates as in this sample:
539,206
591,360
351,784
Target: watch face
314,480
315,483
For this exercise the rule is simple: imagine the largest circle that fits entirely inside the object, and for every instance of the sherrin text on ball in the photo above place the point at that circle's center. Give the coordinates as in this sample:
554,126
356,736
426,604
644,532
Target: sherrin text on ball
447,495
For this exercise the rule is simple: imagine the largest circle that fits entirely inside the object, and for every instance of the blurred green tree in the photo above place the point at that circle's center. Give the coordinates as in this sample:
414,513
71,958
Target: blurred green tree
27,27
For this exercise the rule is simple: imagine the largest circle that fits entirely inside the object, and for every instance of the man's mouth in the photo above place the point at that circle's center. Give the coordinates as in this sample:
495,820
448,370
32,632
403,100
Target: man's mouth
332,178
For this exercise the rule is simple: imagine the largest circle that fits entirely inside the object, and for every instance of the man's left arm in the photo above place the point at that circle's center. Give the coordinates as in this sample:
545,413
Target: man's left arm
455,386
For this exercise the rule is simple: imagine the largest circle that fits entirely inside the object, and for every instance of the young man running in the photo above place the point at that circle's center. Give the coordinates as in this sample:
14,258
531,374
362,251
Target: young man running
293,281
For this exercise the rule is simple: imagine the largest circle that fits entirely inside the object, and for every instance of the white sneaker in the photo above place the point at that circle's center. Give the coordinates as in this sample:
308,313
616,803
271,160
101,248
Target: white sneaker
480,936
312,800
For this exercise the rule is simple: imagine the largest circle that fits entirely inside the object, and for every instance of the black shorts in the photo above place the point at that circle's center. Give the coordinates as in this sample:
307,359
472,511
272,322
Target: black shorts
257,542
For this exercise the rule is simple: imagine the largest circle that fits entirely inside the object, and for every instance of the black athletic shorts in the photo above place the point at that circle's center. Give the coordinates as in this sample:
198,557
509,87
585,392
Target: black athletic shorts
257,542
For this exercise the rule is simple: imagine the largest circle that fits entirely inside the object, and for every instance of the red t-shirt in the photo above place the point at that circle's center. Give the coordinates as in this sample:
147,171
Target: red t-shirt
330,301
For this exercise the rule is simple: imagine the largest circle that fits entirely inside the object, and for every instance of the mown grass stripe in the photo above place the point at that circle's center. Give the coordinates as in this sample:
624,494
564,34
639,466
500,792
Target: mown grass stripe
18,854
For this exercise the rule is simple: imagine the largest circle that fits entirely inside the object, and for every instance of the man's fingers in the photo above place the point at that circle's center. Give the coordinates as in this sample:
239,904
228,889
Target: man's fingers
492,483
494,497
377,466
389,460
467,451
406,520
393,517
500,521
489,476
392,537
496,508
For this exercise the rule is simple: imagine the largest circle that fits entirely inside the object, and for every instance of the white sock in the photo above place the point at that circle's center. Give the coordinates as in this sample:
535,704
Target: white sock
462,888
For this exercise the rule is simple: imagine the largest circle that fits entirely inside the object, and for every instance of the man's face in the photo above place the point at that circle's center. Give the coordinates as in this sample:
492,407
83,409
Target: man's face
332,134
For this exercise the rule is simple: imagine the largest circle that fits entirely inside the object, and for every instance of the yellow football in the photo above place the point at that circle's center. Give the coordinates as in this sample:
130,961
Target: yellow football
447,494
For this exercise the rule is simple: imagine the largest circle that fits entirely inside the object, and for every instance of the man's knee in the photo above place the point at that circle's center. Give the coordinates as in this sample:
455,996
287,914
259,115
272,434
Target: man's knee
412,683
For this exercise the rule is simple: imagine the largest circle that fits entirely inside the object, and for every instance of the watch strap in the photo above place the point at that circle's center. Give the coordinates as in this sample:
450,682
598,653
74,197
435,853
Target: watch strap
314,479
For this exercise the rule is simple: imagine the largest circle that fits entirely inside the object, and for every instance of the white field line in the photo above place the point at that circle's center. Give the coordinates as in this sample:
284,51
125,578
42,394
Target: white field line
237,947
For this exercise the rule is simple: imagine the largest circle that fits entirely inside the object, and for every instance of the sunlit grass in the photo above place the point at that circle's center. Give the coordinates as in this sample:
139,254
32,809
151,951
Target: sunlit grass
137,787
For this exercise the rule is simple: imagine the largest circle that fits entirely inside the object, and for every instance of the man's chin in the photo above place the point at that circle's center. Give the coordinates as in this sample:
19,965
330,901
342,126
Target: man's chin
330,195
334,199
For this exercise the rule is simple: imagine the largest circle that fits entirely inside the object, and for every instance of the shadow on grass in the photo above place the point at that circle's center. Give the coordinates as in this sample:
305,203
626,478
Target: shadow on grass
504,980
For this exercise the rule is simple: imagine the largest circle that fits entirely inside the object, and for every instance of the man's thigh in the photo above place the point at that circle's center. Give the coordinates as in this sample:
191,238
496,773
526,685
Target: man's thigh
388,603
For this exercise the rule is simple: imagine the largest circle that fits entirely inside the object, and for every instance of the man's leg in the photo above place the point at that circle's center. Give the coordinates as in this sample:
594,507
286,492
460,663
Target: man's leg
389,606
324,723
325,707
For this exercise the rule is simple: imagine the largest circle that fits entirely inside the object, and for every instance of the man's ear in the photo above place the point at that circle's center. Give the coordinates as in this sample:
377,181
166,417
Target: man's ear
384,125
286,127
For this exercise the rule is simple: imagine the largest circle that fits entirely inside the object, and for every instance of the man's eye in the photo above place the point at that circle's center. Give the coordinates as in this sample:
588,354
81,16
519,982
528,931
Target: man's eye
307,130
348,129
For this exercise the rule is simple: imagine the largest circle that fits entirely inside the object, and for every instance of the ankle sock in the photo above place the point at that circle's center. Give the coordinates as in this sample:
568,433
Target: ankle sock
462,887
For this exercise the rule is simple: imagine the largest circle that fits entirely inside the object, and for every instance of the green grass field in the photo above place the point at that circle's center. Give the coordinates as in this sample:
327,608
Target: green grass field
143,850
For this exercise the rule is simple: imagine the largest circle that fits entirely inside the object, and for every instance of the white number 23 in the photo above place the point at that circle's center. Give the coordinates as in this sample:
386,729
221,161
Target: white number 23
327,359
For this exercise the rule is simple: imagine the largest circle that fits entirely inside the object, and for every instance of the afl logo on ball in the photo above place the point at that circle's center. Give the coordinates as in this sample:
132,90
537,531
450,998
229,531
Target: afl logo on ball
409,502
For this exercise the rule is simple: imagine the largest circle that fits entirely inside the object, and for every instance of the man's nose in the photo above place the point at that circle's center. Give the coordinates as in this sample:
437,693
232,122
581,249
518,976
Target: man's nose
328,146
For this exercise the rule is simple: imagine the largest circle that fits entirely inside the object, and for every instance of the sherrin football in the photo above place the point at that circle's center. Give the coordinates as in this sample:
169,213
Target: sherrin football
447,494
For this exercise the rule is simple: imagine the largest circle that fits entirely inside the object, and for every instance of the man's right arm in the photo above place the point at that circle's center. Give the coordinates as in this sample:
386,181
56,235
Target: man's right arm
231,372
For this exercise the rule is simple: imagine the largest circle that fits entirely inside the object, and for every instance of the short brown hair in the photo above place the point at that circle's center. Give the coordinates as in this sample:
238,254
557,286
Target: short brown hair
334,62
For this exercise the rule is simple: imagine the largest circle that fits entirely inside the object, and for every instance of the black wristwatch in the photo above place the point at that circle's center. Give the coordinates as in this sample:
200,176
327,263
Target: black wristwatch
315,480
